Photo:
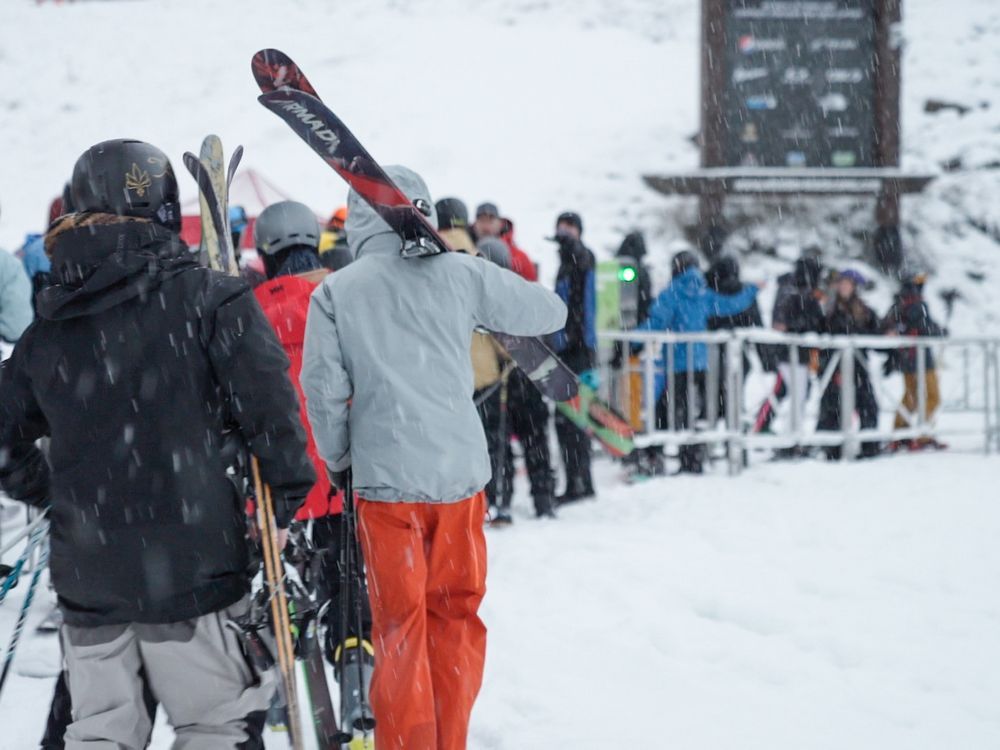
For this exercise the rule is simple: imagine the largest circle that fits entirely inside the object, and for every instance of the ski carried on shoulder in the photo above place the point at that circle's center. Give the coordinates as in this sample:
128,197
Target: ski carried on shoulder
287,92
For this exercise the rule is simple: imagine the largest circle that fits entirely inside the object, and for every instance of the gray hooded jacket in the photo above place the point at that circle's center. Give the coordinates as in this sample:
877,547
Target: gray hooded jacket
386,369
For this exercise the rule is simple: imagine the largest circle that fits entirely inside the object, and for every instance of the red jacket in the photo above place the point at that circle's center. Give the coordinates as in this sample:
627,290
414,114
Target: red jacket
285,300
520,262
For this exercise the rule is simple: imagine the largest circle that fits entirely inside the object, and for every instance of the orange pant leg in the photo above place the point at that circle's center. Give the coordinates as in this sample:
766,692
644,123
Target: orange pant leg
456,637
393,537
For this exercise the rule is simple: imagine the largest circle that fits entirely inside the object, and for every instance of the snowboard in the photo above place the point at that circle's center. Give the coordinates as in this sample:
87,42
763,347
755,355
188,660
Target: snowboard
288,93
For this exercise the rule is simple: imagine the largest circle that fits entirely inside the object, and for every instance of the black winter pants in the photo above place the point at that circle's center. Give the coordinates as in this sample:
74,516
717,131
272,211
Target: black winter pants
497,445
574,446
685,414
865,403
528,417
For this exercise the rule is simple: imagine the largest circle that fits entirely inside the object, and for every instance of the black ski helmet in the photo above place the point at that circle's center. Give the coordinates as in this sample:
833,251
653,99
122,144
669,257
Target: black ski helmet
452,214
283,225
682,261
129,178
807,273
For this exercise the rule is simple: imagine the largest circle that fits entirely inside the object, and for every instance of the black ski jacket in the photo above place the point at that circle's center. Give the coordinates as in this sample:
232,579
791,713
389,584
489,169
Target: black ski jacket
910,316
724,277
139,363
576,344
850,317
799,311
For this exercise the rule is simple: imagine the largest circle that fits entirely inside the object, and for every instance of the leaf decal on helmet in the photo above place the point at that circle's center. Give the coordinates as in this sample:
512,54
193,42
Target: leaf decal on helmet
138,180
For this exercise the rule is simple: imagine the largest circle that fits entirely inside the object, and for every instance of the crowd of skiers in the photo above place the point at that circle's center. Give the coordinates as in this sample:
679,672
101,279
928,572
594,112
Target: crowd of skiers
810,299
155,378
332,361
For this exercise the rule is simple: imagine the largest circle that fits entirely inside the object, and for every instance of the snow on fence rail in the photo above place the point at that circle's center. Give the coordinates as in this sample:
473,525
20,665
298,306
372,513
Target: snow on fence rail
726,416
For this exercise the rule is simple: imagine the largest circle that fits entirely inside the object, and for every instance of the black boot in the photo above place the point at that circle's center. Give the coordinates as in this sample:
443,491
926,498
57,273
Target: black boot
544,506
577,488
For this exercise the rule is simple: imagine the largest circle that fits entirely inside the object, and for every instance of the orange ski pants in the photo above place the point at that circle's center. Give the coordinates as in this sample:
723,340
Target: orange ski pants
426,568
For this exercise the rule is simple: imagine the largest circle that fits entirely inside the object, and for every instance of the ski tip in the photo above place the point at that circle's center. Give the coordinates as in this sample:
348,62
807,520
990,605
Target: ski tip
192,163
211,143
272,70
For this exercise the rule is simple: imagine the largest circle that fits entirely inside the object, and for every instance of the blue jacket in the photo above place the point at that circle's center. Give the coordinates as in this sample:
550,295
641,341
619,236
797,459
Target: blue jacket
16,312
33,255
685,307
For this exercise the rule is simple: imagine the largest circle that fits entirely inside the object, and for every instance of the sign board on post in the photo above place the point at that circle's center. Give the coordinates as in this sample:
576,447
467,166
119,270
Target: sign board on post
800,84
799,97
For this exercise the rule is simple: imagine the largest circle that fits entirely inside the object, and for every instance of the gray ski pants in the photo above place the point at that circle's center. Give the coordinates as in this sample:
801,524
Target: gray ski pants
196,670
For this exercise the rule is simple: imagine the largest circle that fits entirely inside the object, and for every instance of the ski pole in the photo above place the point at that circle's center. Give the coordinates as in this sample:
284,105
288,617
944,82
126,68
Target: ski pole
500,488
36,574
26,531
273,570
357,570
345,598
11,577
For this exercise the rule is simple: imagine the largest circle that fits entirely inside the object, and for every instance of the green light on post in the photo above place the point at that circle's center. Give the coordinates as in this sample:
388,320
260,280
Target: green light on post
627,274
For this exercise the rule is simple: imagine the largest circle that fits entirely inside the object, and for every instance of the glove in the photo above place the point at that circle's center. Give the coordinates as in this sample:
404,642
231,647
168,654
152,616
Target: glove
591,378
338,479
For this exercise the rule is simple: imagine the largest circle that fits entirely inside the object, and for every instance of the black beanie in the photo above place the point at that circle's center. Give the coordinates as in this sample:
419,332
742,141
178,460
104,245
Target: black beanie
571,217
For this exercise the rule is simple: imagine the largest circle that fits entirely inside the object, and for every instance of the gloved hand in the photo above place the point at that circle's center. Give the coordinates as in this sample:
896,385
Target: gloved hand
591,378
338,479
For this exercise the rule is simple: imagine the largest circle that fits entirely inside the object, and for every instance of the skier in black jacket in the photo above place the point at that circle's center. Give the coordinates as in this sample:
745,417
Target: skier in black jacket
723,276
799,311
576,345
848,315
910,316
139,364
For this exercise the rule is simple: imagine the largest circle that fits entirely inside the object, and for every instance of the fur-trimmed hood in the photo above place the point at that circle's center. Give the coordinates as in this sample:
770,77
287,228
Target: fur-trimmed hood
100,260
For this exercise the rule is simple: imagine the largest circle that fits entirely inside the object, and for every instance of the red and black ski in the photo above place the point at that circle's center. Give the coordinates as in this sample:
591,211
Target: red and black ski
288,93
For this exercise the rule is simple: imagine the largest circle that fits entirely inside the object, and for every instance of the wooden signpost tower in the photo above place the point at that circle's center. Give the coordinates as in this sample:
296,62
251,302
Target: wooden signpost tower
799,98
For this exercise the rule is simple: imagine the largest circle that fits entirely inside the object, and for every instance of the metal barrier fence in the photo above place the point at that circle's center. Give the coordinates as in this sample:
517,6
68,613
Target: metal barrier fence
652,390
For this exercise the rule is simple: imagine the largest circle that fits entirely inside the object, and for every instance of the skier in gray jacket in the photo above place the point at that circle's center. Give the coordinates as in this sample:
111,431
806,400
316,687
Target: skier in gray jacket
388,383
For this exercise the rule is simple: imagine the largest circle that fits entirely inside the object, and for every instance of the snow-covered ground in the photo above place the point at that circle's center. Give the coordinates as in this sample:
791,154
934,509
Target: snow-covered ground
802,606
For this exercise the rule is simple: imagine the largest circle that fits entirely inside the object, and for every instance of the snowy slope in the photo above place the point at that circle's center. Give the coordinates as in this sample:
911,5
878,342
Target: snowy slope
804,607
540,109
540,106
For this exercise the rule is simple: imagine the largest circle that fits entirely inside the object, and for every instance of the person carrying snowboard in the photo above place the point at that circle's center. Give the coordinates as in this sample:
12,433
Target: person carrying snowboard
138,366
388,382
287,237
